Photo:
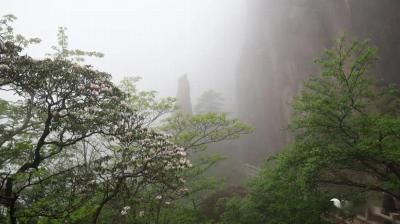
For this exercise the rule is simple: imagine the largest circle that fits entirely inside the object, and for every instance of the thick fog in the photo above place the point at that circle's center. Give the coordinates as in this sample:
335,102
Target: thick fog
156,39
257,53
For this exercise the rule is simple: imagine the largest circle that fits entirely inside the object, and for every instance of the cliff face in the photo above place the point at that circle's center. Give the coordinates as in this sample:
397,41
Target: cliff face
283,38
379,20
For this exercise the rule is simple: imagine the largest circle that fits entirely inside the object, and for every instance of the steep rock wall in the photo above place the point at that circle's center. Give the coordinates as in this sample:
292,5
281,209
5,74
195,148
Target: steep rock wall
183,95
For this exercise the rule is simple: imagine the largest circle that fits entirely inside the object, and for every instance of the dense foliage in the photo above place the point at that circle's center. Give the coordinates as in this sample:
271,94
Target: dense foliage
345,145
346,125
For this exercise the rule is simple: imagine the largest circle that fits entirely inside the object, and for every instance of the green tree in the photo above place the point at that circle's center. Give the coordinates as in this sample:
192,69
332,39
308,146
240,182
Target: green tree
278,195
346,126
209,101
62,50
346,141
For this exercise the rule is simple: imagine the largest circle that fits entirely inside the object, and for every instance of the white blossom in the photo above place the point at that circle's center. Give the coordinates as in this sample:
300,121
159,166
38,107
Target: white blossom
123,103
93,109
182,153
94,86
4,67
141,213
107,89
182,161
125,210
185,189
78,66
63,112
147,140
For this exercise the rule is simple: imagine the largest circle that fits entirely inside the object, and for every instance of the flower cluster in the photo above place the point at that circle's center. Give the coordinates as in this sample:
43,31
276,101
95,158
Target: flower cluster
98,87
125,209
164,156
4,67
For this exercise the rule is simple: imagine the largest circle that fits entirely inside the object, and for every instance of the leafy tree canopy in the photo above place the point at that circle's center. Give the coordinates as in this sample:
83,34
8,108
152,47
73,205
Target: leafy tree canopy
71,141
346,144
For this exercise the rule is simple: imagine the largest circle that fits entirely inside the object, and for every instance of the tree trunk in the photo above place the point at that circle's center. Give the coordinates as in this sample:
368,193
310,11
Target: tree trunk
11,212
11,200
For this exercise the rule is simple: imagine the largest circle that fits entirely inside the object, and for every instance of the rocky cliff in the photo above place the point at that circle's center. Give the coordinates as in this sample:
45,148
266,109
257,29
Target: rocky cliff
183,99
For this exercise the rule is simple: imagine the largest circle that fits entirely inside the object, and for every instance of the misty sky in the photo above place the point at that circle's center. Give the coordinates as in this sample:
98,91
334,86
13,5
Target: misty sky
158,40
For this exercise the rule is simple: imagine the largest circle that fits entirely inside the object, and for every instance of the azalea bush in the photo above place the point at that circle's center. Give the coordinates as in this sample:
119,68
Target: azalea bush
70,141
76,148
